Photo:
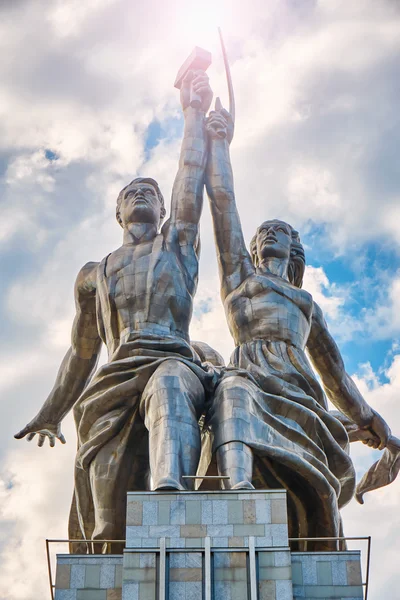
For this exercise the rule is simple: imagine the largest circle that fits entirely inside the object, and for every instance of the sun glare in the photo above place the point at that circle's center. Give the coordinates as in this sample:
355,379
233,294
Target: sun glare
201,22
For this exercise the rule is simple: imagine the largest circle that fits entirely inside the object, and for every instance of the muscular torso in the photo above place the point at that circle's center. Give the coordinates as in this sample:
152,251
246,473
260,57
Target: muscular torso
145,289
269,308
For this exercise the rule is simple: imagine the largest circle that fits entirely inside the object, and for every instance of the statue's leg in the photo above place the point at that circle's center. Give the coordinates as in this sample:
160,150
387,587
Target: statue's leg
120,466
229,422
171,405
235,459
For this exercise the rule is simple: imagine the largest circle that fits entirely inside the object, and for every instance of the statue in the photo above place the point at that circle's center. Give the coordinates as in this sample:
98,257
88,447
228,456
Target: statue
269,416
138,416
142,408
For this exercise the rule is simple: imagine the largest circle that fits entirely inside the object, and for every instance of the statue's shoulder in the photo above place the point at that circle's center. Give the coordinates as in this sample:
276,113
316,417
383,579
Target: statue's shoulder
318,320
317,313
85,284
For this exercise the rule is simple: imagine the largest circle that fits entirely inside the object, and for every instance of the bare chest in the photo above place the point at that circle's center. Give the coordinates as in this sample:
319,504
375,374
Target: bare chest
137,278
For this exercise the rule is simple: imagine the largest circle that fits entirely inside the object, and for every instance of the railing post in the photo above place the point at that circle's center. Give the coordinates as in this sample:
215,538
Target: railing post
163,570
207,568
368,565
49,570
253,569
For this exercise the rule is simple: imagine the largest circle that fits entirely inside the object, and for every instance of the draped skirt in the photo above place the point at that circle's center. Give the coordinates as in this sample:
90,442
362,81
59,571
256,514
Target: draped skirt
270,399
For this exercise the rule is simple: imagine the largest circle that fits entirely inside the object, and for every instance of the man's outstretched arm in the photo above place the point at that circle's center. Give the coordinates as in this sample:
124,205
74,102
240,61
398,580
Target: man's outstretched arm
77,366
340,388
187,191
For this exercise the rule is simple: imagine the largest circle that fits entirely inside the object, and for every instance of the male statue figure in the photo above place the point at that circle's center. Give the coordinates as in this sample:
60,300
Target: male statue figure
144,404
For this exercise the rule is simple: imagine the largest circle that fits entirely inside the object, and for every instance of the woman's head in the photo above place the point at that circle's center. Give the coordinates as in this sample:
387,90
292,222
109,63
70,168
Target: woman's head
278,239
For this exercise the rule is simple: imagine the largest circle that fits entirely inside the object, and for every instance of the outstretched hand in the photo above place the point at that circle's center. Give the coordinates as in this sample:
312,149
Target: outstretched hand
44,430
220,123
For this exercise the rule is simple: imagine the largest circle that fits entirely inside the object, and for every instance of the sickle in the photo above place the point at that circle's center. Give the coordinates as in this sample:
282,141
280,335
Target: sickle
228,78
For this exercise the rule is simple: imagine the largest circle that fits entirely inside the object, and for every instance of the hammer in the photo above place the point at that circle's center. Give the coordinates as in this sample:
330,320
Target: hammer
199,59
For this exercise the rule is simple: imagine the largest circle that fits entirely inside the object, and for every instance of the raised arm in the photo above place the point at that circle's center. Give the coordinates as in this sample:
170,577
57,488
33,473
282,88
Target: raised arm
234,261
76,367
340,388
187,191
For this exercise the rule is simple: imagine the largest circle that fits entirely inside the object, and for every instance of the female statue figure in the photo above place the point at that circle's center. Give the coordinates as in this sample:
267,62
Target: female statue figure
270,418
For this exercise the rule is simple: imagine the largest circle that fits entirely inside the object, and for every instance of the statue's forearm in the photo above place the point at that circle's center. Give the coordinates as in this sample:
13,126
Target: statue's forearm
72,377
233,258
187,192
219,176
194,143
340,388
344,394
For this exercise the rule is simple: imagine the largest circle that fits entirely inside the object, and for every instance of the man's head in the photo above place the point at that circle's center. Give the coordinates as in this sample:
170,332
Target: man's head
279,240
141,201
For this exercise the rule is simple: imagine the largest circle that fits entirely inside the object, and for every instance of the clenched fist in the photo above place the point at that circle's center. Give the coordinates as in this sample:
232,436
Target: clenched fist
198,81
220,123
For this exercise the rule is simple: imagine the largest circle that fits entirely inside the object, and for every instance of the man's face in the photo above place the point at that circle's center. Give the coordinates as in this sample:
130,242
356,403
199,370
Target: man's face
140,204
274,239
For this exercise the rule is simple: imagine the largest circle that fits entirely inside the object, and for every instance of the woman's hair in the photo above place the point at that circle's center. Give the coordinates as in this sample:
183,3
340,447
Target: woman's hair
152,182
297,261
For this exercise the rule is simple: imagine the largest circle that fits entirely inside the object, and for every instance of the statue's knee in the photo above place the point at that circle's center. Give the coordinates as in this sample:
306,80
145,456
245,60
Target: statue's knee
230,390
173,383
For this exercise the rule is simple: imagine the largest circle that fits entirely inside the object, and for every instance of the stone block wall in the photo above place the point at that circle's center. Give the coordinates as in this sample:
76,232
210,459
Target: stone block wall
327,575
186,518
229,520
185,575
230,570
211,545
88,577
140,576
274,575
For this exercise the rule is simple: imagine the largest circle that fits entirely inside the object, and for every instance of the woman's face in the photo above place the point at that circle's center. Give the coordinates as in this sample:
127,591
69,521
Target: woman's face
274,239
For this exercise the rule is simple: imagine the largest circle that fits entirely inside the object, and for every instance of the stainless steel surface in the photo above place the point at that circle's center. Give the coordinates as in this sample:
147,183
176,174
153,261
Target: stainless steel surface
205,477
138,415
368,567
207,568
232,109
252,568
269,417
384,470
162,591
49,570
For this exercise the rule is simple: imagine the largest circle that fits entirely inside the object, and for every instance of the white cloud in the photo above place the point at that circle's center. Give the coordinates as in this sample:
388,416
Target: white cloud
383,321
209,322
327,295
35,495
379,516
316,103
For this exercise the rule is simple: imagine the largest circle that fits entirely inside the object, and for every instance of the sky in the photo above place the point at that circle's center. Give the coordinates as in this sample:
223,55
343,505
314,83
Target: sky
87,103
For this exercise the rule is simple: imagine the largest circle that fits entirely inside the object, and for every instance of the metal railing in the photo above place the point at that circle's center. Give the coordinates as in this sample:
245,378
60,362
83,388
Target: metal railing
207,550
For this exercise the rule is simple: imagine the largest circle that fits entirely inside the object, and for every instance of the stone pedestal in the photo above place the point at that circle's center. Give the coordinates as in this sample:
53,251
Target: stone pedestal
88,577
209,546
215,545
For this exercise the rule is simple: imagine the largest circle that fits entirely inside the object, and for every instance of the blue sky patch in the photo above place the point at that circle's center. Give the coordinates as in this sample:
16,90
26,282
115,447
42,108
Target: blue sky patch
51,155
